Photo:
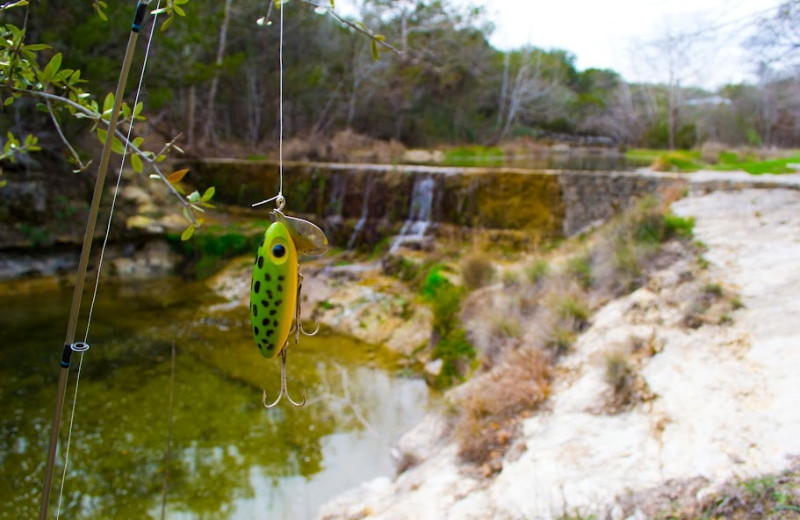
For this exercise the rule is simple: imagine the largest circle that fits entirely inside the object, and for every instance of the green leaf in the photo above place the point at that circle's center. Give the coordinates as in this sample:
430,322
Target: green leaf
51,68
108,105
209,193
374,47
8,101
187,233
332,5
167,23
194,196
136,163
116,144
178,10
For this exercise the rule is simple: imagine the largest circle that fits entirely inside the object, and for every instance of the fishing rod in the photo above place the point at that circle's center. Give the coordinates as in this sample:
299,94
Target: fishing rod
69,343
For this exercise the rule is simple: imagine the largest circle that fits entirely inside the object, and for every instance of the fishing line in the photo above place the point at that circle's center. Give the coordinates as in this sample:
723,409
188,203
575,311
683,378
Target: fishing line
82,347
279,198
280,106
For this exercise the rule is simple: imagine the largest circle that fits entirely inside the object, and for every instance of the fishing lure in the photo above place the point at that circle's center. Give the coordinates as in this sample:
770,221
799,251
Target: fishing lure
276,285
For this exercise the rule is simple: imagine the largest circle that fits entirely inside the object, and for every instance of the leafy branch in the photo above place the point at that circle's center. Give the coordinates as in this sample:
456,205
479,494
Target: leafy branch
60,92
376,39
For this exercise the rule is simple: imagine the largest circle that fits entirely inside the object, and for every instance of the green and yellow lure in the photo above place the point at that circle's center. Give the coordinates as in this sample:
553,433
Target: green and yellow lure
275,287
273,291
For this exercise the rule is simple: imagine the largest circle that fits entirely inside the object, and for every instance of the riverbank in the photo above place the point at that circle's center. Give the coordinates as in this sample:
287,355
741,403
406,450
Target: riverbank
720,403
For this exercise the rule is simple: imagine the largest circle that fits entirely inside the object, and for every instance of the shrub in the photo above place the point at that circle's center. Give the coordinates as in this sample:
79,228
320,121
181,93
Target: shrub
445,299
651,225
619,375
476,271
675,226
490,409
456,352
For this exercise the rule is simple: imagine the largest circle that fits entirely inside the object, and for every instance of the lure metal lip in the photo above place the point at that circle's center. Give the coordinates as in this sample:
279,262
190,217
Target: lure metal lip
308,238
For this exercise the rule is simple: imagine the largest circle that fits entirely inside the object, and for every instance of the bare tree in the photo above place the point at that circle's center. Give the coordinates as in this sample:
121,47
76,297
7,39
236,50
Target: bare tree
777,38
676,58
208,133
527,92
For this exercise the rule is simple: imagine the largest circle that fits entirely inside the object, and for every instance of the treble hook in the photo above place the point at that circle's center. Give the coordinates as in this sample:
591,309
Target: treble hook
284,392
298,324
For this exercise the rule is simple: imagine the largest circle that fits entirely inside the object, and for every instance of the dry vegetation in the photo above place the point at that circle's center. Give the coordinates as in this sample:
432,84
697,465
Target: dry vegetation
521,326
344,146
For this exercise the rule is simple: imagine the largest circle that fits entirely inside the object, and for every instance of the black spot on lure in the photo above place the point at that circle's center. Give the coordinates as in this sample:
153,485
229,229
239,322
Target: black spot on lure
275,287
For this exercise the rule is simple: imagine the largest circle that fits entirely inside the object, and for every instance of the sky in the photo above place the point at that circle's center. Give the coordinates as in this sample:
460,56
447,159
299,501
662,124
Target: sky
614,33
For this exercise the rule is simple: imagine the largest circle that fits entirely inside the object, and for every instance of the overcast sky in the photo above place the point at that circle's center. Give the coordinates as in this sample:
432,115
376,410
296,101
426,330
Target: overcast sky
611,33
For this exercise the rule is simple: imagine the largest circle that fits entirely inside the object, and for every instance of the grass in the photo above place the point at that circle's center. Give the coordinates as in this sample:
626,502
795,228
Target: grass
771,496
537,270
620,376
678,161
580,268
754,166
573,308
474,155
452,347
726,160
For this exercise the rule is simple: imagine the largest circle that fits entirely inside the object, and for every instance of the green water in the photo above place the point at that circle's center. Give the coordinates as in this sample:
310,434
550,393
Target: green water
231,458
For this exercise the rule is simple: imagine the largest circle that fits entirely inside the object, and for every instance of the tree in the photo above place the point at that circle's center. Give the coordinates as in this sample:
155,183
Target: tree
533,88
777,38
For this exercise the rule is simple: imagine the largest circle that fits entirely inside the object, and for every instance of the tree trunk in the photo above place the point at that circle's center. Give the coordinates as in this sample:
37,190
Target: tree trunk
209,135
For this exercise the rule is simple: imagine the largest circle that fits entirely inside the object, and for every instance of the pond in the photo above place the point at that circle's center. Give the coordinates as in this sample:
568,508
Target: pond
230,457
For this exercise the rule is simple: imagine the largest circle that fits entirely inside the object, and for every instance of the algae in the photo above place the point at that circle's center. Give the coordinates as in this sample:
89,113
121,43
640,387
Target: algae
229,453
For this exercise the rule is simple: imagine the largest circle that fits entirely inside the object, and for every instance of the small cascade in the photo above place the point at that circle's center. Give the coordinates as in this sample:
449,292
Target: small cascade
338,191
364,213
419,216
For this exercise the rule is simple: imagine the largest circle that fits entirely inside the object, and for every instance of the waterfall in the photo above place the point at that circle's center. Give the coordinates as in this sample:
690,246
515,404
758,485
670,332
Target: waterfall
419,216
364,213
338,191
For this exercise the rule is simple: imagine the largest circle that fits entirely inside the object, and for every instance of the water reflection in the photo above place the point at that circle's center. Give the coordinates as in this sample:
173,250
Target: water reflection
231,458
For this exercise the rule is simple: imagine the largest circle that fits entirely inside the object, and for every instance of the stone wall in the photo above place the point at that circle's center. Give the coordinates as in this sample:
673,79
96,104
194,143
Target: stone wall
361,204
591,197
